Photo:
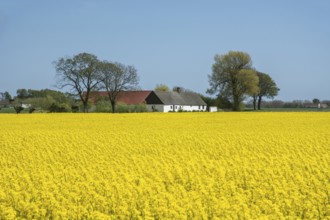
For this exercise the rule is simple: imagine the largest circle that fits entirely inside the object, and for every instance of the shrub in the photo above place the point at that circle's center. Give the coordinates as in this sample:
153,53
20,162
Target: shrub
59,107
18,109
103,106
75,108
123,108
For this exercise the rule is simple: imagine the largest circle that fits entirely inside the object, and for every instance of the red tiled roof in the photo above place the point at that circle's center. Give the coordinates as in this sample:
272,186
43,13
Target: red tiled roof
127,97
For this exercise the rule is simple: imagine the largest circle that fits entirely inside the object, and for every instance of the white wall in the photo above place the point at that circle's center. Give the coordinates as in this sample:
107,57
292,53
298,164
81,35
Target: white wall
159,108
167,108
193,108
213,108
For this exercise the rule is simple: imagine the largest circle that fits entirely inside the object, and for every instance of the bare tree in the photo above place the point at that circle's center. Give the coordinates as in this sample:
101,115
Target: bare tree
117,77
80,73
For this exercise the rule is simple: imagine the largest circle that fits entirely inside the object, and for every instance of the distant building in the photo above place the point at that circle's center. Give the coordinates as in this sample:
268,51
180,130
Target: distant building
316,105
159,101
125,97
175,101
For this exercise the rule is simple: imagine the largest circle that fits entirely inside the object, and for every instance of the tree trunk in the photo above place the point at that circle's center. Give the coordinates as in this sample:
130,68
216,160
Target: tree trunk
254,102
113,106
259,102
236,104
85,106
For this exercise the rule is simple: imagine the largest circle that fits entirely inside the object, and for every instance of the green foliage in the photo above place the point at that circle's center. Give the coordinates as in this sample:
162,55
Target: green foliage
75,108
103,106
41,102
7,110
84,107
18,109
233,77
123,108
248,81
31,110
316,101
223,102
266,88
7,96
59,108
22,94
50,100
210,101
162,88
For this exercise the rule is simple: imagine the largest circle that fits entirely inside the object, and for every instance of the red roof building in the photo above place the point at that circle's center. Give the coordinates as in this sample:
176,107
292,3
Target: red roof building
125,97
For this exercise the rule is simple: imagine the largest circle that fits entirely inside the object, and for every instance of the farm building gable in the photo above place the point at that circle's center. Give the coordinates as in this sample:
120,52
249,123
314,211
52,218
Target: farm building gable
126,97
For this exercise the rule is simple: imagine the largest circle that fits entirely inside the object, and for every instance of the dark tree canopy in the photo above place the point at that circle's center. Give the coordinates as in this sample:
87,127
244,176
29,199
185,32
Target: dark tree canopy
22,94
266,88
115,78
5,96
80,73
18,109
233,77
180,89
316,101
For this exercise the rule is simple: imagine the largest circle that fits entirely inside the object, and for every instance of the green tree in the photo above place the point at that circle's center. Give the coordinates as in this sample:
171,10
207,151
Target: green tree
233,77
162,88
80,73
316,101
18,109
58,96
22,94
41,102
7,96
45,98
210,101
266,88
55,107
115,78
223,102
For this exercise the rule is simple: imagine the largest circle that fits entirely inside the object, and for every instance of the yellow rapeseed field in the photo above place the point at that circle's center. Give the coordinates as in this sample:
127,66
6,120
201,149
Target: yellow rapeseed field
165,166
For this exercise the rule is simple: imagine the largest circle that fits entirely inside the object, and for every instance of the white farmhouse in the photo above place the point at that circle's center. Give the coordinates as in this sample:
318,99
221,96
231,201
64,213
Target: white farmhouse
175,101
159,101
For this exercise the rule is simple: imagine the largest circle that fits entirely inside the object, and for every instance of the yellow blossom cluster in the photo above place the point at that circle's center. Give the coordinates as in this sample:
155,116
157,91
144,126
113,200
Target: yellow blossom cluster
165,166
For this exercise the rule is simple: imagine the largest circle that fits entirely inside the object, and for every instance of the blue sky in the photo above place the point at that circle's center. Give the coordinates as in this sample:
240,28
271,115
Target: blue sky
169,42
